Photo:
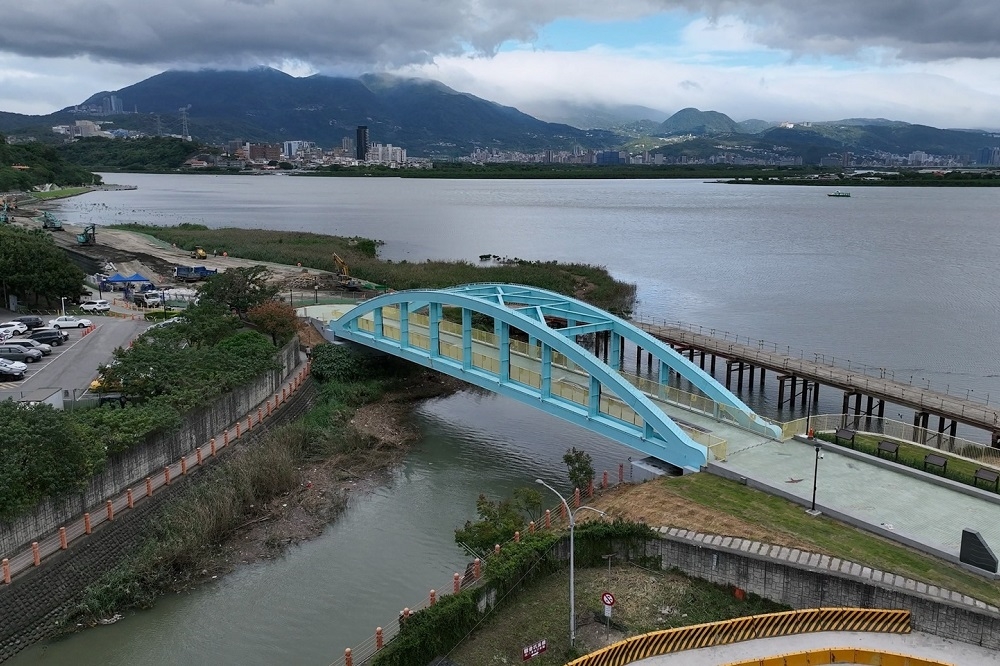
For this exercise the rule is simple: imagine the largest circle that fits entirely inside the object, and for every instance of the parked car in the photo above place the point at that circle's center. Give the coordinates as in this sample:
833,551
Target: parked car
31,344
11,369
50,336
31,321
15,353
13,327
69,321
95,306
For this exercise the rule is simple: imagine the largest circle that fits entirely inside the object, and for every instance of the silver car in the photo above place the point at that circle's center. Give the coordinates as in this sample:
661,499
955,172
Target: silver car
15,353
31,344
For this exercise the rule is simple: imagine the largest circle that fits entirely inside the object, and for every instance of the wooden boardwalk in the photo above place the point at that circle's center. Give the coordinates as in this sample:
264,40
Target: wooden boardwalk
924,402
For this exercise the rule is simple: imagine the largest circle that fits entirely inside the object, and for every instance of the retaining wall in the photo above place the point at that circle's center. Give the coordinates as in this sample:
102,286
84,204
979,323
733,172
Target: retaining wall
808,580
37,600
130,467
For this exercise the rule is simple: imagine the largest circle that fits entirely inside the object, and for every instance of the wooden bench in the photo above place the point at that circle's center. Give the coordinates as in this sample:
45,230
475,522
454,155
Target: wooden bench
988,475
888,447
845,434
935,460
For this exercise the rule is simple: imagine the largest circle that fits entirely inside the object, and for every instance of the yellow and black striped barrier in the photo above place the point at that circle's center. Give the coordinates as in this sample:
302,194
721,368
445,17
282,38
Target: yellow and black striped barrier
748,628
841,656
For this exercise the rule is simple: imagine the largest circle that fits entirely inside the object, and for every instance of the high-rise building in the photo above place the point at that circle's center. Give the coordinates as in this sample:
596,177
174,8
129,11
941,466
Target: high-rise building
362,143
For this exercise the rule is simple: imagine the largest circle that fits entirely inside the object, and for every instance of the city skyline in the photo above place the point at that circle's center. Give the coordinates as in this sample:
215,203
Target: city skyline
915,61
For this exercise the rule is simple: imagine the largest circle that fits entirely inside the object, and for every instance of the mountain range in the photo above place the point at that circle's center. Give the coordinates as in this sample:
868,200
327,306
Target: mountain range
431,119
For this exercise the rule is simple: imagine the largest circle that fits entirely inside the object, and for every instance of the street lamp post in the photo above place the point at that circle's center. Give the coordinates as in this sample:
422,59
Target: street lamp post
812,508
808,408
572,595
62,302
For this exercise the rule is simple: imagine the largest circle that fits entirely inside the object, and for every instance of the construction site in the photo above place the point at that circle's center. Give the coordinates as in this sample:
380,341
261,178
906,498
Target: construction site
100,250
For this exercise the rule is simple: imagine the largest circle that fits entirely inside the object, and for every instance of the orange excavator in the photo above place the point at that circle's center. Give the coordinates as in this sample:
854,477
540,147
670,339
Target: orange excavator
344,275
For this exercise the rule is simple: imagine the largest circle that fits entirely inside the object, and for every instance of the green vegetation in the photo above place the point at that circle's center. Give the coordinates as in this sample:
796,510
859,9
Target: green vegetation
902,178
166,372
590,283
239,289
186,536
147,154
38,165
781,517
61,193
35,269
912,455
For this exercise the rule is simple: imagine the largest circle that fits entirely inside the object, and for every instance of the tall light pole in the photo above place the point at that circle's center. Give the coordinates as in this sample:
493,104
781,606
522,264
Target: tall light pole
572,595
62,302
808,408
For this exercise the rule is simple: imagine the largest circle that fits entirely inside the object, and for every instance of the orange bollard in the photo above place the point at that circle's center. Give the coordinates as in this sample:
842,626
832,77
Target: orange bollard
284,393
378,638
149,487
456,583
225,438
348,660
86,523
184,465
260,415
433,597
36,555
477,568
496,549
129,498
604,480
6,571
249,423
198,455
63,543
548,519
268,403
237,430
166,475
621,472
531,527
406,614
576,498
562,511
517,537
211,446
590,488
111,510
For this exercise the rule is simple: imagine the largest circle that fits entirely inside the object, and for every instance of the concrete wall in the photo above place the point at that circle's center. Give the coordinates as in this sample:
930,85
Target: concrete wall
131,467
809,580
36,601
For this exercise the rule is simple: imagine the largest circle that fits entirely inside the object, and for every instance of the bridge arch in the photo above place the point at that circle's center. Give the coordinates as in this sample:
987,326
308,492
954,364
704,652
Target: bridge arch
570,382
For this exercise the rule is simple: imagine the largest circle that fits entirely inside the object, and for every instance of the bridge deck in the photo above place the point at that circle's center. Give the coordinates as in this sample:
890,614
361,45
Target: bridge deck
955,408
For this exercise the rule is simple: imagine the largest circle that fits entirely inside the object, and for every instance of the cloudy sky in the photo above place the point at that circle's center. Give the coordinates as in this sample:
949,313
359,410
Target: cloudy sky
925,61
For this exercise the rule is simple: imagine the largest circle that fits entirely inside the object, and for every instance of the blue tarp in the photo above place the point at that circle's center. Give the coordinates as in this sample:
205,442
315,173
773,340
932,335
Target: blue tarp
135,277
118,278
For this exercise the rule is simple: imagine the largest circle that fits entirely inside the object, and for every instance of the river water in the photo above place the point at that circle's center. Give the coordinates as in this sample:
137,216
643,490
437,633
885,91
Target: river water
897,278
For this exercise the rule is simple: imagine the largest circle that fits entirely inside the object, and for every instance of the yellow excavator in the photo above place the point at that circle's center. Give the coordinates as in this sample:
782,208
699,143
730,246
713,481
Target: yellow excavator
344,275
198,252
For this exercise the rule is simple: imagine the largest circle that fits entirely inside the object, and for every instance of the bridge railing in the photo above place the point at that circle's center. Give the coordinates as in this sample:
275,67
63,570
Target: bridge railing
875,372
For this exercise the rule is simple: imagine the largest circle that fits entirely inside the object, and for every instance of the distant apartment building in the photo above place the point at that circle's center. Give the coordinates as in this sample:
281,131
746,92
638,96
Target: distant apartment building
263,151
989,157
292,148
917,157
361,143
387,154
112,106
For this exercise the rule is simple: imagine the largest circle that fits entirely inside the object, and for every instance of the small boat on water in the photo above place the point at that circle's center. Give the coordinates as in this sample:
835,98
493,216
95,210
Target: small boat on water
838,193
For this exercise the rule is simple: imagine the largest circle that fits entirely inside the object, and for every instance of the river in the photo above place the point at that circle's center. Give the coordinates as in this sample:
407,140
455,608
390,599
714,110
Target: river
898,278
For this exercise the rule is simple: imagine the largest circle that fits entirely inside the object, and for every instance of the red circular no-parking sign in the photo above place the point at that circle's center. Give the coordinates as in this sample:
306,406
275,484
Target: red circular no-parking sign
608,599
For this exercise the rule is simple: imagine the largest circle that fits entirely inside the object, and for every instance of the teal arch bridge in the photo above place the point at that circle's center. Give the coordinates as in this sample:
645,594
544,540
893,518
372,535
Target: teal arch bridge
525,345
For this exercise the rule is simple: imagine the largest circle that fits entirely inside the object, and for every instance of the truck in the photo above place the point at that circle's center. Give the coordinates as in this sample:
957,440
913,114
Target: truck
194,273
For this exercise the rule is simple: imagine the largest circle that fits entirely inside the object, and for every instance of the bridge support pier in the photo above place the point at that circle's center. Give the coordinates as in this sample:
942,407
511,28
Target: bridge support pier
750,383
762,371
712,369
995,439
920,421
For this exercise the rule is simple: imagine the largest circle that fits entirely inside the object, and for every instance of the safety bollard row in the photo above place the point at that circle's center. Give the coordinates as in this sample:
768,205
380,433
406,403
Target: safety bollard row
263,411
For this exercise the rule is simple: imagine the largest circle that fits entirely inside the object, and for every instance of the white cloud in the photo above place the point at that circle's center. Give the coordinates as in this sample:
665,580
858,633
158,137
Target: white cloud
940,95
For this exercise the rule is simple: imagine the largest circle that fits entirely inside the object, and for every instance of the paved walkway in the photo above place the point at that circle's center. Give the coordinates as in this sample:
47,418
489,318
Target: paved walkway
915,644
885,499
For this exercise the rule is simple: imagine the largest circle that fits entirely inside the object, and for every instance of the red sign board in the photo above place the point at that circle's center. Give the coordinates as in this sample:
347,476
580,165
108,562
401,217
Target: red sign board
608,599
534,649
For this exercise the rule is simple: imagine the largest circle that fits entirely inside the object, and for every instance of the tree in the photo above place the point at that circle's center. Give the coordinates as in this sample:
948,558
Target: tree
497,523
239,289
276,319
33,267
580,467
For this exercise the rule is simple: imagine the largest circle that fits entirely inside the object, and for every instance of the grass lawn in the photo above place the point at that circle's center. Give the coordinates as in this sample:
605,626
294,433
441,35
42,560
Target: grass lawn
644,601
710,504
59,194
